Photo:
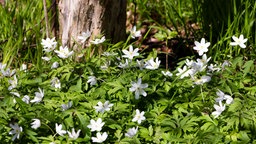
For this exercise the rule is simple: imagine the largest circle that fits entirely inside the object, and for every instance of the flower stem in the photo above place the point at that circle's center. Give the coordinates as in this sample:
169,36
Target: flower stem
202,93
48,127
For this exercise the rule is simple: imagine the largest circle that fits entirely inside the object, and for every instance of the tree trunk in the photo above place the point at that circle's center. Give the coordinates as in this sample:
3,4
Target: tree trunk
105,17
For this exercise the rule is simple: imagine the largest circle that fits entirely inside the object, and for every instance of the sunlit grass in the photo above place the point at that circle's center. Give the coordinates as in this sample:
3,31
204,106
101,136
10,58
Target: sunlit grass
21,31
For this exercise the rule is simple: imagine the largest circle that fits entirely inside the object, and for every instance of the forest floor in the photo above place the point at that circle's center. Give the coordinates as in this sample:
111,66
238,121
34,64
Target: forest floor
170,51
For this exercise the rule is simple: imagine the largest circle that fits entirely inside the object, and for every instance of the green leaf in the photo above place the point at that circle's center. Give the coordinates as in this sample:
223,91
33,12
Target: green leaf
114,90
117,86
208,126
248,67
114,126
238,61
144,133
23,105
66,76
160,36
69,121
244,136
167,86
32,135
168,122
83,123
35,81
77,87
118,134
121,107
150,130
236,105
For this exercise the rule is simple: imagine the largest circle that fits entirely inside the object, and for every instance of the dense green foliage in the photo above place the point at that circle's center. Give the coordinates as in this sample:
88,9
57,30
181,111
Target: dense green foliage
179,107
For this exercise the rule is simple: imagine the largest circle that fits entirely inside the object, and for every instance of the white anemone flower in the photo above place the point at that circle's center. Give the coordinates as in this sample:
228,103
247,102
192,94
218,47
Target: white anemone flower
8,72
152,65
98,41
49,44
92,80
100,137
15,93
218,109
39,96
184,72
16,131
106,65
225,63
24,67
141,64
201,47
222,96
59,130
213,68
55,65
167,73
131,132
239,41
135,33
84,36
96,125
74,135
138,88
189,63
36,123
139,116
46,58
204,60
103,107
65,107
202,80
64,52
13,83
26,99
195,67
124,65
229,99
55,82
131,53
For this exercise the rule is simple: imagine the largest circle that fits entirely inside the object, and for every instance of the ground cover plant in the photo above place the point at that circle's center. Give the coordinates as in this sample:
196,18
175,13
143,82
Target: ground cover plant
124,94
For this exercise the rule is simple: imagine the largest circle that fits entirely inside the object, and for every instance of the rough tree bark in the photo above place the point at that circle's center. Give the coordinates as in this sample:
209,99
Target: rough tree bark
105,17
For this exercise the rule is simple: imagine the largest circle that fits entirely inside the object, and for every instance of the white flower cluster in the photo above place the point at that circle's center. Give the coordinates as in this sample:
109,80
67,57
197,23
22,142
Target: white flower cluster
192,68
72,135
37,99
150,64
6,72
220,108
98,124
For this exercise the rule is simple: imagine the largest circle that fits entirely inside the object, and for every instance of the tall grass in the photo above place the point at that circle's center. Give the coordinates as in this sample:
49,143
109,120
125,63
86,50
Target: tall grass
223,19
219,20
21,31
170,14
